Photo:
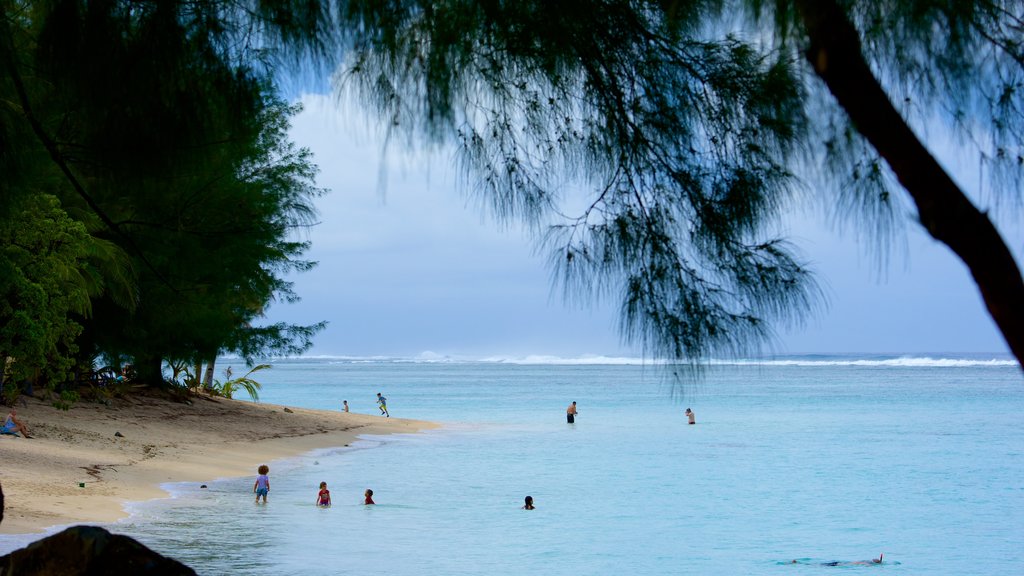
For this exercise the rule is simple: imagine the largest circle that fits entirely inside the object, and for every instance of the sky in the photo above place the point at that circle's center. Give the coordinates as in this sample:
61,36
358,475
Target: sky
410,265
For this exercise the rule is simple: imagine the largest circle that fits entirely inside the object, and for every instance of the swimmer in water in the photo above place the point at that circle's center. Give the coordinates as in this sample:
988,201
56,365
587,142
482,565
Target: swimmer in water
854,563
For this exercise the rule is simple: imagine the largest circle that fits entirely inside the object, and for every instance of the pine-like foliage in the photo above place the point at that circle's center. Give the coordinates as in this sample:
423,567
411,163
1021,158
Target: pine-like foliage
680,138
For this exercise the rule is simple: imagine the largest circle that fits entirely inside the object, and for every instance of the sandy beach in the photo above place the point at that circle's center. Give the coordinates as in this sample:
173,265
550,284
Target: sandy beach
160,441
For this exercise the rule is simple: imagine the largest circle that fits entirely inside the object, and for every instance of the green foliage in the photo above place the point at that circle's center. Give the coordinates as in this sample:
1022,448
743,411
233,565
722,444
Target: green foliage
11,391
157,126
42,257
682,138
66,399
158,129
691,128
230,385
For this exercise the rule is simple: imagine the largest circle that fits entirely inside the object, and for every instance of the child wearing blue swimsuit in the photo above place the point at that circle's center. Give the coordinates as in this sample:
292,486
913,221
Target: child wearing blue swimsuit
262,485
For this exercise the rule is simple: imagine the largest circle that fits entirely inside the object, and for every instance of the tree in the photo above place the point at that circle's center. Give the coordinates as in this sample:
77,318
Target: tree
684,142
975,65
42,288
692,125
691,138
163,135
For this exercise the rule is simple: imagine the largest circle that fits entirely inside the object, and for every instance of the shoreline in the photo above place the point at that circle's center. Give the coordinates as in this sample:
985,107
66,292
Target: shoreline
76,469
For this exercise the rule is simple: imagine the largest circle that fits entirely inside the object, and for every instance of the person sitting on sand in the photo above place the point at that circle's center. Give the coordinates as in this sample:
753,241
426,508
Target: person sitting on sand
529,503
262,485
323,498
12,425
368,497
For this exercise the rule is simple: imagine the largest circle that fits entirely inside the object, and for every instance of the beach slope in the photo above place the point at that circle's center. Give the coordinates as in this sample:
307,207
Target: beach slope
83,464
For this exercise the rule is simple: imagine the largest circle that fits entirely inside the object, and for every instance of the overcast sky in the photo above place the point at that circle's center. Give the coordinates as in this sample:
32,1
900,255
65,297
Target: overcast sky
409,265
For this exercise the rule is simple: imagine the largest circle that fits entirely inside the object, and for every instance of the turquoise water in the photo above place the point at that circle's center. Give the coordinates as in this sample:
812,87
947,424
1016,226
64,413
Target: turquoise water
816,459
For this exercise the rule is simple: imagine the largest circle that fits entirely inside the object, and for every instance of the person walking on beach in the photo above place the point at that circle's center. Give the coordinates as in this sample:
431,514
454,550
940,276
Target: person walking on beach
368,497
528,503
262,485
382,402
690,415
570,413
12,425
344,405
323,497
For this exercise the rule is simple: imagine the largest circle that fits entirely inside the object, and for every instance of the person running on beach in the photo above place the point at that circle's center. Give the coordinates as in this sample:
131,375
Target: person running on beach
528,503
323,498
383,404
570,413
690,415
262,485
12,425
344,405
368,497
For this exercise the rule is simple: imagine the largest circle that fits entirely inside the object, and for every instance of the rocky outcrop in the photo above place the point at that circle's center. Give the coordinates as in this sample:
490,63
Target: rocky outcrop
89,551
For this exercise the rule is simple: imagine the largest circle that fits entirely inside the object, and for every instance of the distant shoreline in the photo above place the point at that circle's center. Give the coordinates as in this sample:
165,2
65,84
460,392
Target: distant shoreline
161,441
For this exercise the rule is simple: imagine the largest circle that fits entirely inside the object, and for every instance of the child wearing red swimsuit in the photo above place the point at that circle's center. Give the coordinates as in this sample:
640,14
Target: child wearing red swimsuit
323,498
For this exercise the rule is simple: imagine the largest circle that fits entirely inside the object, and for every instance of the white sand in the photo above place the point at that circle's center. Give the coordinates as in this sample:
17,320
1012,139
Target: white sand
163,441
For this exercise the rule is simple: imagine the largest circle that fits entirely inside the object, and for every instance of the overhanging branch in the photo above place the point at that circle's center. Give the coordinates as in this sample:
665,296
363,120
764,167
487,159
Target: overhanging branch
944,210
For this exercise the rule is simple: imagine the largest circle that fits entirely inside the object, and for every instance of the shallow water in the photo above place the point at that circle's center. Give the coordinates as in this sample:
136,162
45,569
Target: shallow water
818,461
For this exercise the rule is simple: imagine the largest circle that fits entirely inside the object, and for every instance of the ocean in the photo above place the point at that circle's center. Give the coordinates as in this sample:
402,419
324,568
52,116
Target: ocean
816,459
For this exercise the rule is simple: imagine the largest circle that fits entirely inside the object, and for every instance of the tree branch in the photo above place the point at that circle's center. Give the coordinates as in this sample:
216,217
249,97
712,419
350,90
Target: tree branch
943,209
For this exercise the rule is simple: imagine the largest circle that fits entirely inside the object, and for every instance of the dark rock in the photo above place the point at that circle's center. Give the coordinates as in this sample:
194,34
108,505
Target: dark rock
89,551
288,410
118,434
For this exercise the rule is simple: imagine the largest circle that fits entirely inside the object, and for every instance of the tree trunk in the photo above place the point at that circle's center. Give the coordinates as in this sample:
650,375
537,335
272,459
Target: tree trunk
944,210
148,370
208,378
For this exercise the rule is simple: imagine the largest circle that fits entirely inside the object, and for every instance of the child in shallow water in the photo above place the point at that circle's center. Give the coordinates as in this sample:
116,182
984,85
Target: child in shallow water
262,485
323,498
368,497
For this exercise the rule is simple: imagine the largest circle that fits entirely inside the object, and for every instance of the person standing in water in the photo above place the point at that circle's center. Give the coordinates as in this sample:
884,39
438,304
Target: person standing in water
528,503
262,485
382,402
368,497
570,413
690,416
323,497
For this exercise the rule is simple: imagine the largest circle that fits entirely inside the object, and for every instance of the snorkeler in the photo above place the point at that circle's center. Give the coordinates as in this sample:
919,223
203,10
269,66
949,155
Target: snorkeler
854,563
